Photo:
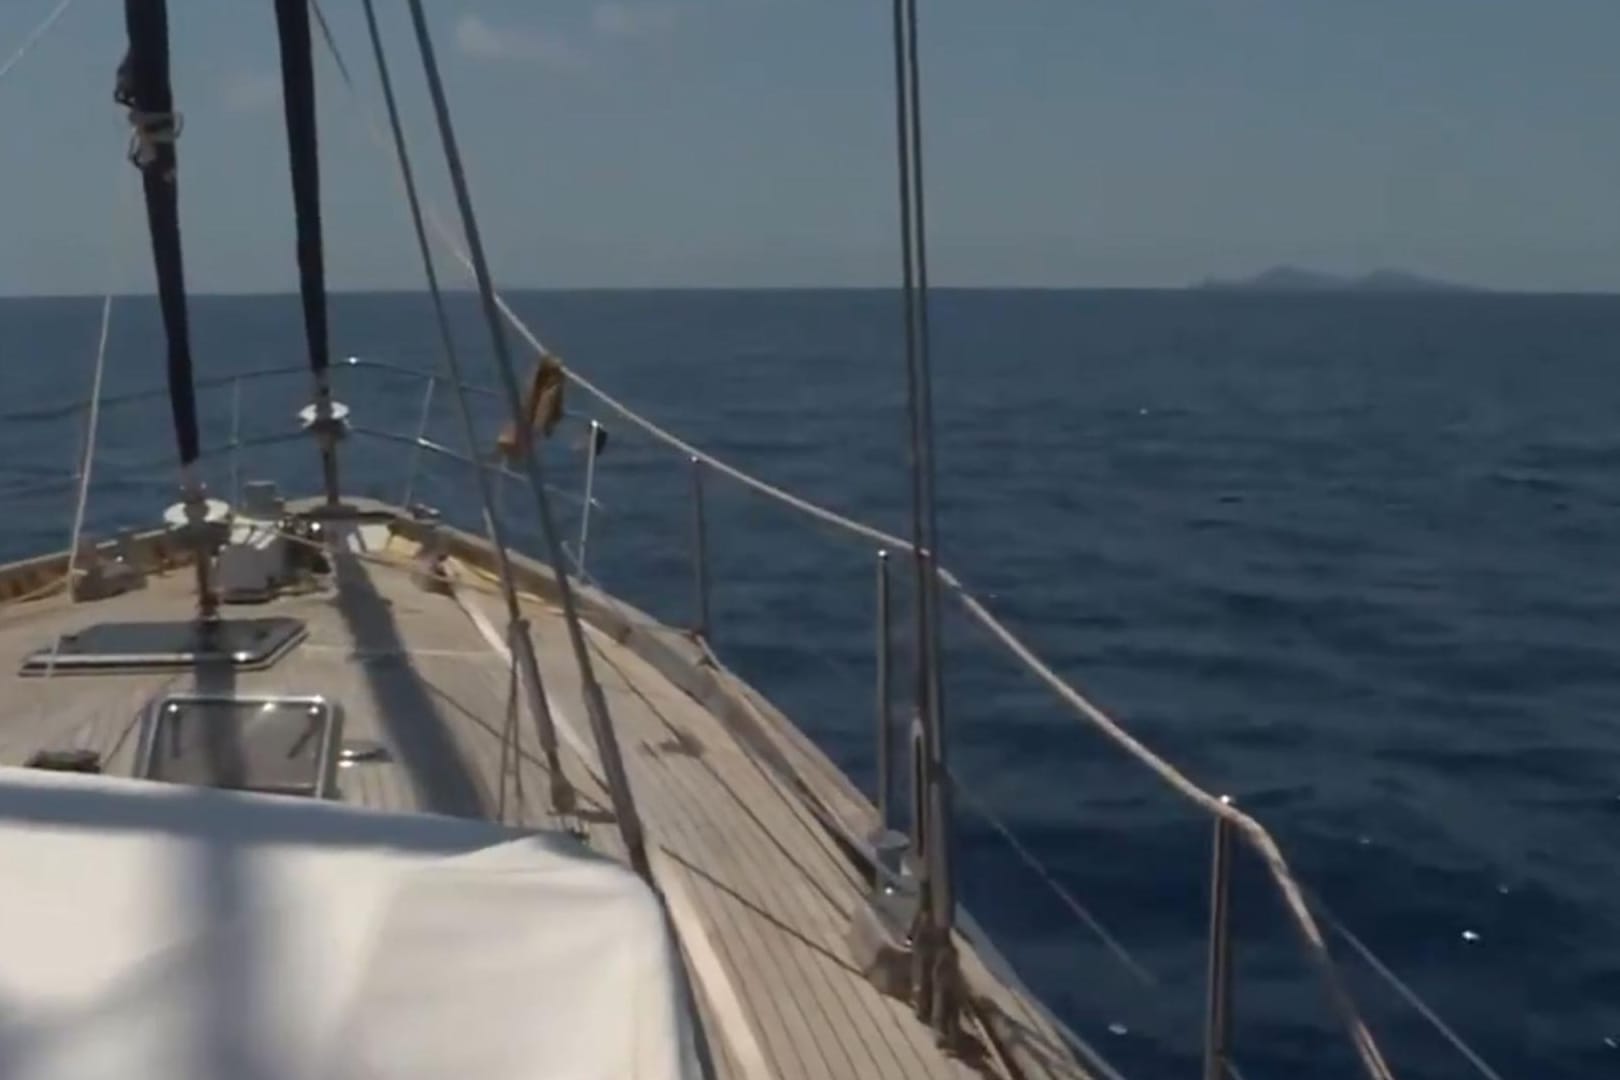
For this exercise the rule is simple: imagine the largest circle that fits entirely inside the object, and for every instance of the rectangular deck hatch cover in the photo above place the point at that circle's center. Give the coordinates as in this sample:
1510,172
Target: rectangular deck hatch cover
244,644
276,745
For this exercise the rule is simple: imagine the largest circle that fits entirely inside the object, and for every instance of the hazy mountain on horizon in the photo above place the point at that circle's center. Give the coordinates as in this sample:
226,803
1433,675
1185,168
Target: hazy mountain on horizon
1301,279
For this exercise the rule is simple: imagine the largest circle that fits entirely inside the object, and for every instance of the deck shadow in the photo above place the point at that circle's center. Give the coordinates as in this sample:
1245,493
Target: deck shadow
407,714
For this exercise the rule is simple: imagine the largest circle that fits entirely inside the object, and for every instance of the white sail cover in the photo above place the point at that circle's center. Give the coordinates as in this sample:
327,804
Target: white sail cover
155,931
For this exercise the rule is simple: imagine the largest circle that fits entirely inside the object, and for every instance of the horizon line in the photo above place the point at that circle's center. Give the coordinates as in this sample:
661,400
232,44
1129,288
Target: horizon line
1201,288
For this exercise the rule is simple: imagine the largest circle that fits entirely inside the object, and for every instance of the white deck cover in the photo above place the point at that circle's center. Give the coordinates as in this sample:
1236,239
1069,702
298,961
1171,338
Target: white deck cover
156,931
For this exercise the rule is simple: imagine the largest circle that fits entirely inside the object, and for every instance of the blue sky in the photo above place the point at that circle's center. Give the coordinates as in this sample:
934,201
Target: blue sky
748,142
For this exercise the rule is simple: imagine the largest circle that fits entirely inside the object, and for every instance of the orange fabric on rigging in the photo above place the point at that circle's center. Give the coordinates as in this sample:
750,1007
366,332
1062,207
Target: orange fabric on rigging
542,408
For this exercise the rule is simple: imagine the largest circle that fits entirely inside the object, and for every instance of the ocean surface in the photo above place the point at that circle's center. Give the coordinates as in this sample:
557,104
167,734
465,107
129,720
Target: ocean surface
1353,560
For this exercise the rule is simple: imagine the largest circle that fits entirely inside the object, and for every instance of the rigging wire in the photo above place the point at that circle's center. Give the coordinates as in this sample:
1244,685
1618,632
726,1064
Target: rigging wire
561,792
595,701
936,976
1063,894
908,301
1399,985
34,36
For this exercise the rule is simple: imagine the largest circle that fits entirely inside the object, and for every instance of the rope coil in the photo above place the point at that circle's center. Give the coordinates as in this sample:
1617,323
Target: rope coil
148,132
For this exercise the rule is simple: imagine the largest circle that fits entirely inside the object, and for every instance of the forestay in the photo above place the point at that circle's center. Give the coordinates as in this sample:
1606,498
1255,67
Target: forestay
154,930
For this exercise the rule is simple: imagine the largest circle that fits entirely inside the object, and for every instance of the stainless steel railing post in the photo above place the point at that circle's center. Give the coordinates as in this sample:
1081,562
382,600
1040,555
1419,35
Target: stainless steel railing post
885,718
416,449
919,790
1218,1006
590,484
236,439
700,551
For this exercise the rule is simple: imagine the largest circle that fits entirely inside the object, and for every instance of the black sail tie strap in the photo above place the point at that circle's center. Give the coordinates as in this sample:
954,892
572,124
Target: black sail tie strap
143,88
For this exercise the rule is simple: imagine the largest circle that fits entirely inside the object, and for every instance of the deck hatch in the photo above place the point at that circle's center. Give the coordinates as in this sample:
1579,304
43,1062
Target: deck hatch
277,745
243,644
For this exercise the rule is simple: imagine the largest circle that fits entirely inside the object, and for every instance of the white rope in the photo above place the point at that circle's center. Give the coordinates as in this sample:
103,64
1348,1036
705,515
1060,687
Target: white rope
668,438
33,37
771,491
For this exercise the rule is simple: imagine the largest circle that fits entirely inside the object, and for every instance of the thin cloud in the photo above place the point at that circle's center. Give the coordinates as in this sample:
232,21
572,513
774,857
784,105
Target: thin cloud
478,38
250,92
614,18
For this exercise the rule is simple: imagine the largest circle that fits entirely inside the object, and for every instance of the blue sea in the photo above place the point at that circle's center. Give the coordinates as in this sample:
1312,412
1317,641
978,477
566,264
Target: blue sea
1351,560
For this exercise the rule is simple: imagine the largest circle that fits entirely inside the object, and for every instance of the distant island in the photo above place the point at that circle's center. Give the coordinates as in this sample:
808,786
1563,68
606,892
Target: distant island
1298,279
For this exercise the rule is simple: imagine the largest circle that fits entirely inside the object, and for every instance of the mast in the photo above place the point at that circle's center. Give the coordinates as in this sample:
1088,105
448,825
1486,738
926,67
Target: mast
325,418
144,88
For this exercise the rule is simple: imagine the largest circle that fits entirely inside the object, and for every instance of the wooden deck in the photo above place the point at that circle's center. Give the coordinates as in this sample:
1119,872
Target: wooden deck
742,815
